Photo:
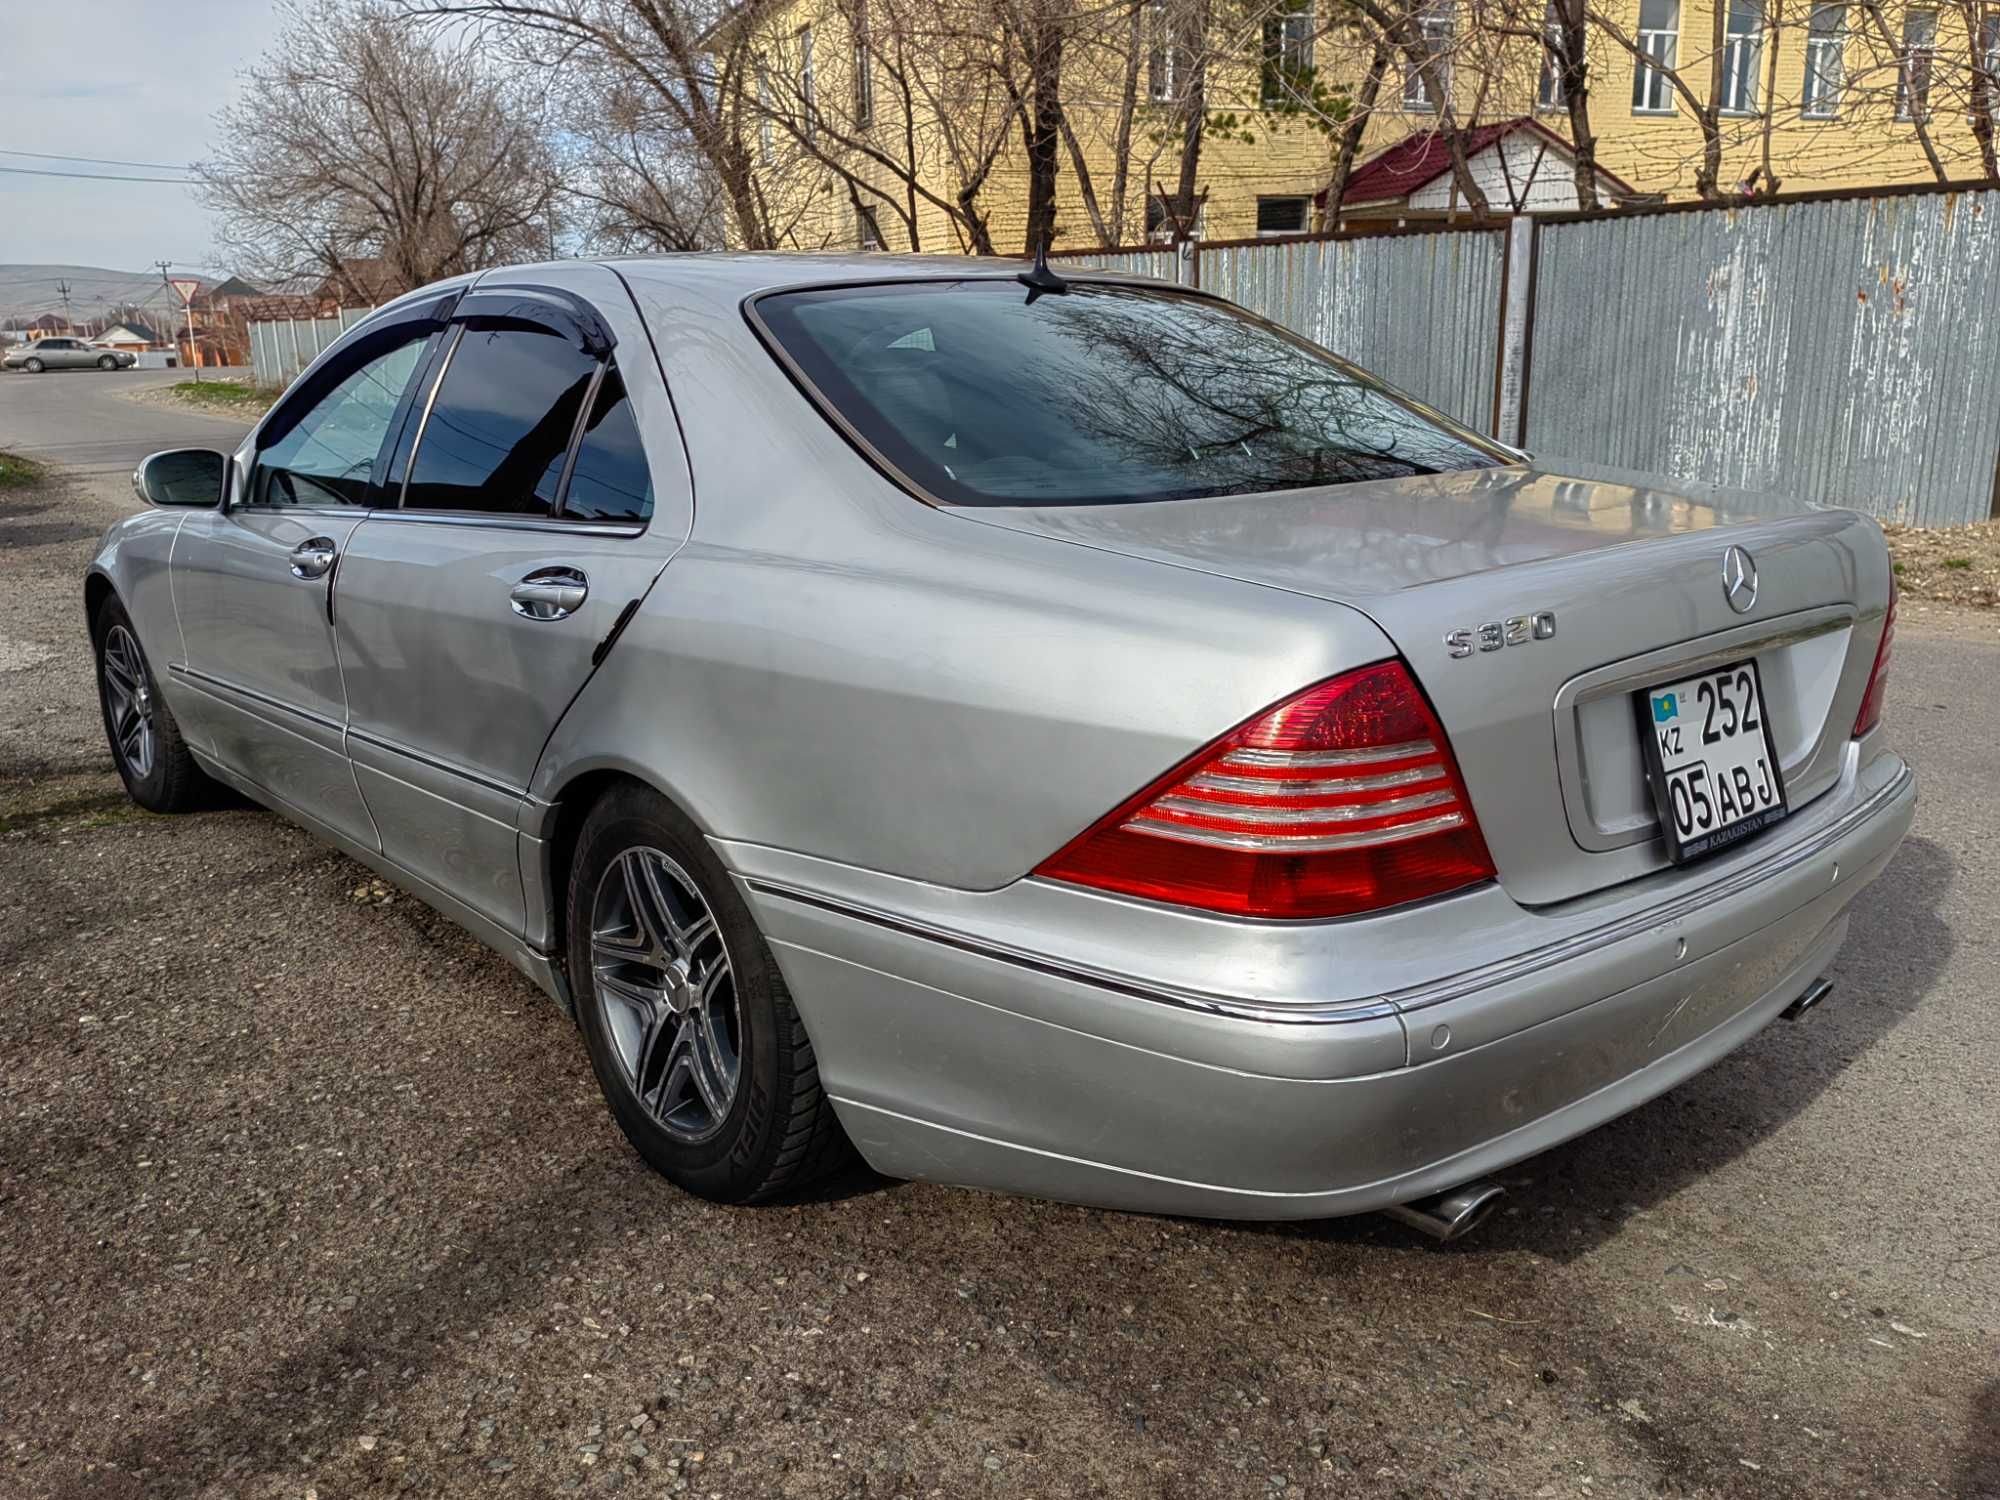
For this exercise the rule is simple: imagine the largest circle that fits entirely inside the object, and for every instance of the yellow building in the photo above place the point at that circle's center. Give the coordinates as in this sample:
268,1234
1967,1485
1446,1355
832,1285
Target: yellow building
883,122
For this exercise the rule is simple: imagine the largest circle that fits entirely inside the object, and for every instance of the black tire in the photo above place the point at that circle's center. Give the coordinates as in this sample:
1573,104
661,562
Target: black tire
168,781
33,366
107,363
778,1137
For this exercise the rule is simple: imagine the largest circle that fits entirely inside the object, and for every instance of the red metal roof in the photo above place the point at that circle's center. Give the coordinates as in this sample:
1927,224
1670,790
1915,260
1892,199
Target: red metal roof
1423,158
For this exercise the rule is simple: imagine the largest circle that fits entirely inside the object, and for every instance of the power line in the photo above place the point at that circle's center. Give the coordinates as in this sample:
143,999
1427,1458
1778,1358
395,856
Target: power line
101,176
101,161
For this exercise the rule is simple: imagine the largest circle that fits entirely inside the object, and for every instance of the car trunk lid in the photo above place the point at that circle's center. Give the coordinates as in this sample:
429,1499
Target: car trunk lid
1629,580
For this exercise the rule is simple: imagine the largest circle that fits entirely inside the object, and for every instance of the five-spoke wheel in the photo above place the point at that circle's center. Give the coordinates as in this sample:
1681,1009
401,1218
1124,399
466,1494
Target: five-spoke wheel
692,1033
660,967
128,703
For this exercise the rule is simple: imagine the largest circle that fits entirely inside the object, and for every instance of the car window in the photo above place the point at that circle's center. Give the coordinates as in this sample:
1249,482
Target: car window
329,457
610,480
501,422
1105,394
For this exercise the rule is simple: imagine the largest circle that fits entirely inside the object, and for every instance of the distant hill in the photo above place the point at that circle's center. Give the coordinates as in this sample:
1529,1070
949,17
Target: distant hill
28,291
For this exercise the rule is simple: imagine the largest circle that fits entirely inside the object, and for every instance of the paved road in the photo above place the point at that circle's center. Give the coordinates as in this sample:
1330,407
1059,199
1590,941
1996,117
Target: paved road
303,1191
86,421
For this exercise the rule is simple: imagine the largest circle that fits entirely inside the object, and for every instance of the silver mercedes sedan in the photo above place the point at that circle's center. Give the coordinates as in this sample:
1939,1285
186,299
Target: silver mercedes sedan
1059,734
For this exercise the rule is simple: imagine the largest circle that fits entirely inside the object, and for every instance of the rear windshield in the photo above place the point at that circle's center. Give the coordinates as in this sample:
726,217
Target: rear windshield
1100,395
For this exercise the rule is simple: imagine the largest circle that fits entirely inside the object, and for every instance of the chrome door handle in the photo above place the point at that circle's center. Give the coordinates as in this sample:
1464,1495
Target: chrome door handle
549,594
312,558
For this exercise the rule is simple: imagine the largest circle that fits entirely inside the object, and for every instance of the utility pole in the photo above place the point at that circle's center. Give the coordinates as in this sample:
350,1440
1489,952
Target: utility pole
62,290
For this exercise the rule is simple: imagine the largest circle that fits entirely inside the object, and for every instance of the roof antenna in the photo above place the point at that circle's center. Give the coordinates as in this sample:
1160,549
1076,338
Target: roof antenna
1041,279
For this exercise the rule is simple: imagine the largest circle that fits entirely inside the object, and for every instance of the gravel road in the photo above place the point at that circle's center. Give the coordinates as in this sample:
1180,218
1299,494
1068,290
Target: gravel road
303,1193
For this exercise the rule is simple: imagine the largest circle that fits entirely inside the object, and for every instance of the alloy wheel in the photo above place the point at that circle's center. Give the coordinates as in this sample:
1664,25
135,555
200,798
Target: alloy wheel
663,979
130,696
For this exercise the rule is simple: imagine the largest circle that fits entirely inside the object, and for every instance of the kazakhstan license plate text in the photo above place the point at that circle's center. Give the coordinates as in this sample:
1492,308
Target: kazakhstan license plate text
1710,760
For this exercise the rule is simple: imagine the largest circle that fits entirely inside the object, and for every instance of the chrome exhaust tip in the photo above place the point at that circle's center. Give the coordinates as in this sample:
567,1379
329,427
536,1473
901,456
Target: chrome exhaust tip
1817,991
1448,1215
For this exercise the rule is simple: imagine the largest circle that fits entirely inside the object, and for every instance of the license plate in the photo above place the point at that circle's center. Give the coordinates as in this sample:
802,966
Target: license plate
1710,760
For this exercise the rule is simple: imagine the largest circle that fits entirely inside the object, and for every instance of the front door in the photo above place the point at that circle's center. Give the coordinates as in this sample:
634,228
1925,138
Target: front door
251,586
469,618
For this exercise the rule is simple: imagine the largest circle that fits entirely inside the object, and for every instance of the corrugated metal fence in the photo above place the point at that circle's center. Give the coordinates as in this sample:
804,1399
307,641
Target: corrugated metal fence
1420,310
1843,351
280,350
1840,349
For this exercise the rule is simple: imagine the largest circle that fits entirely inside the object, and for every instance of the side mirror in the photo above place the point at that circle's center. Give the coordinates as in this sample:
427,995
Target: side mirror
182,476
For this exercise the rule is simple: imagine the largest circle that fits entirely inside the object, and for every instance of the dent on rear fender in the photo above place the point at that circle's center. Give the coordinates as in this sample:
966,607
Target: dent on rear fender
939,711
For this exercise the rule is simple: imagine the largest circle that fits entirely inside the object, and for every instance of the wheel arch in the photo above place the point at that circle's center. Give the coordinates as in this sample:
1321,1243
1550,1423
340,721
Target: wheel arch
97,587
569,810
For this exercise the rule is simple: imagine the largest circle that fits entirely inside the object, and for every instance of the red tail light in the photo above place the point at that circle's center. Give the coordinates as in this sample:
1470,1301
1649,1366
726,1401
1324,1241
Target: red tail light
1344,799
1878,675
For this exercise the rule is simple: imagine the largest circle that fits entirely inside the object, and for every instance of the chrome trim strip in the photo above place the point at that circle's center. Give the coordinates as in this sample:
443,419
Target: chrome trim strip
1220,1005
213,685
1397,1003
1284,786
494,521
1374,755
376,742
457,335
1283,817
1297,843
1418,997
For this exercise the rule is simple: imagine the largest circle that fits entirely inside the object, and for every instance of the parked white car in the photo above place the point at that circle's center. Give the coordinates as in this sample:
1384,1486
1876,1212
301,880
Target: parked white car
67,354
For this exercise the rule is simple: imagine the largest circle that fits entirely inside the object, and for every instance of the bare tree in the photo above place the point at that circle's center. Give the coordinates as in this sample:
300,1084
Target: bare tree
690,57
354,138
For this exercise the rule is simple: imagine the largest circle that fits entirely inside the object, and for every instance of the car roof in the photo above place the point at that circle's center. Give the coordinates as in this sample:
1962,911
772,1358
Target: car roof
730,276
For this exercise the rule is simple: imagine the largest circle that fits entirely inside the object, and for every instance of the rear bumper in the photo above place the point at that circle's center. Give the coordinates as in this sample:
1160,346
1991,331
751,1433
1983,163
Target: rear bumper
953,1055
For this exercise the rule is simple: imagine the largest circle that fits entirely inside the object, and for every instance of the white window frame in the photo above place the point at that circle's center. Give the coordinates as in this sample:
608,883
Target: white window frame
1549,88
766,146
864,70
1295,48
1742,56
1652,90
1912,85
1826,64
1163,55
1435,25
808,107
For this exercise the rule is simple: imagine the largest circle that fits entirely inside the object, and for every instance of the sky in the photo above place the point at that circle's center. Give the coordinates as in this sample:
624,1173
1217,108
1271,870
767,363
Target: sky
134,80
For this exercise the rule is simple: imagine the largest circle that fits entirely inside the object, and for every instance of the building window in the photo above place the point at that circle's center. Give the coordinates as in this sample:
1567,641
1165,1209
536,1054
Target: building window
1742,53
1913,78
867,228
1165,63
1282,215
806,106
1288,51
765,148
1826,48
864,70
1435,25
1549,92
1659,39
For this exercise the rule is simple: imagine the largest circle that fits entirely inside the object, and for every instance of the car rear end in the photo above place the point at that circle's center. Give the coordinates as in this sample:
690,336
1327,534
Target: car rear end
1583,808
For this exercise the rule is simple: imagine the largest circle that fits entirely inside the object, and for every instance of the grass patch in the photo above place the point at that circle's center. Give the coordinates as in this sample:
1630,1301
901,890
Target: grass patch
18,473
1960,563
231,396
1948,564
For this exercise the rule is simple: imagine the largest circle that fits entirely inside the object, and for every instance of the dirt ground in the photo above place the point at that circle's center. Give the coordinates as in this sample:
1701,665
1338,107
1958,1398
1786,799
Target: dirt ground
1948,565
303,1193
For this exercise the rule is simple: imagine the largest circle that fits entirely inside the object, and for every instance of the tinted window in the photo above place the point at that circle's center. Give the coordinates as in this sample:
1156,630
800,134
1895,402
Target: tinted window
500,425
984,396
610,481
329,457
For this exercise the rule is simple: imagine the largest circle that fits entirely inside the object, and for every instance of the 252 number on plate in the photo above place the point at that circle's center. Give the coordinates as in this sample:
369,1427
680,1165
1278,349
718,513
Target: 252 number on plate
1710,759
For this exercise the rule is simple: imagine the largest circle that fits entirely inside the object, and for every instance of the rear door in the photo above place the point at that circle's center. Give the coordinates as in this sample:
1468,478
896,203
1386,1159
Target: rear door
251,580
545,490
